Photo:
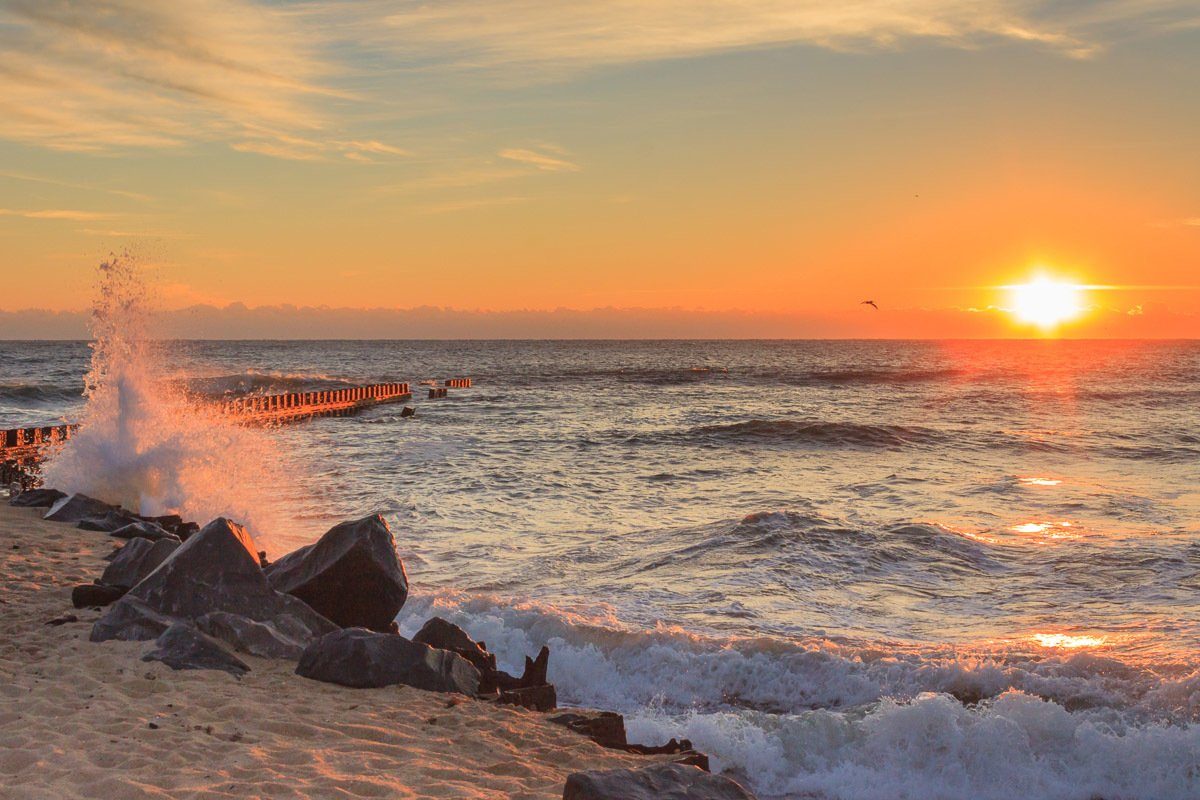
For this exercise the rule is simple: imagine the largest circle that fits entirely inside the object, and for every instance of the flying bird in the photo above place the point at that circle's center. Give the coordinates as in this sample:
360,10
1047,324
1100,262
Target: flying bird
870,303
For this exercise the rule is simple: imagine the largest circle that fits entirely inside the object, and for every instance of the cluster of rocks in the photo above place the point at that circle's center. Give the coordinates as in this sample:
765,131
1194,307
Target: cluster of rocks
206,595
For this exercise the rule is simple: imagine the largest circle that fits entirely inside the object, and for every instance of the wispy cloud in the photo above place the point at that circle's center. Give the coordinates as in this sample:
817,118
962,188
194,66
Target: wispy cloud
56,213
560,35
297,148
20,176
450,206
540,160
93,75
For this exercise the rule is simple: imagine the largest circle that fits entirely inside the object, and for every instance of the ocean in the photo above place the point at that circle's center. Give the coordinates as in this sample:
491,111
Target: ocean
844,569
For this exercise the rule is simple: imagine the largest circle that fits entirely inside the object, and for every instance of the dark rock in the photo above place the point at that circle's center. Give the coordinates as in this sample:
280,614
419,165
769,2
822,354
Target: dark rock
75,508
63,620
407,411
673,747
140,529
535,698
215,570
535,669
351,575
88,595
168,522
37,498
182,646
364,659
445,635
693,758
187,529
256,638
136,560
108,522
605,728
653,782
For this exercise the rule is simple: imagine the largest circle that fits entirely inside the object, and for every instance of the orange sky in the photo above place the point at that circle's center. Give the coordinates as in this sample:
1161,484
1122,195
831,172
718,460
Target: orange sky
753,157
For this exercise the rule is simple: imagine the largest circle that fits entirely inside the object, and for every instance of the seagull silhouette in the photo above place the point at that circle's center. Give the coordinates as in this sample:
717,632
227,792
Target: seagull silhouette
870,303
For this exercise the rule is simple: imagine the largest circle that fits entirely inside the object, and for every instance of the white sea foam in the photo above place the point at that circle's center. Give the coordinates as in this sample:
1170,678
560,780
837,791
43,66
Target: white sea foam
148,446
819,719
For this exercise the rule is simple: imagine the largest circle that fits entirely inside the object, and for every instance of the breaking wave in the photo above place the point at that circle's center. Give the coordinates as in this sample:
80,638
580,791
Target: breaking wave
147,445
931,723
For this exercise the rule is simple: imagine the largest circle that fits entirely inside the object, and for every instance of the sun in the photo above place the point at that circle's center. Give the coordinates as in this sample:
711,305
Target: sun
1046,302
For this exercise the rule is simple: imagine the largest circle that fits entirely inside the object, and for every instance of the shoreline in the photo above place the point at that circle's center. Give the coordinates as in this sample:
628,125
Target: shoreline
92,720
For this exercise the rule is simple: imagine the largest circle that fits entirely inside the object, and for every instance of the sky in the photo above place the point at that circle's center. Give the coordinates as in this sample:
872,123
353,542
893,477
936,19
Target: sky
628,168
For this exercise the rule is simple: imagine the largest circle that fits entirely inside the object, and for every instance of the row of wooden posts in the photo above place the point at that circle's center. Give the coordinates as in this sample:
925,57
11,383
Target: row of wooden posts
21,447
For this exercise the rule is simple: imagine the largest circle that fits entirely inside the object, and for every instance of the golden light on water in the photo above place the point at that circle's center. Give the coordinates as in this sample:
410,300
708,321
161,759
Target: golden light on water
1068,641
1046,302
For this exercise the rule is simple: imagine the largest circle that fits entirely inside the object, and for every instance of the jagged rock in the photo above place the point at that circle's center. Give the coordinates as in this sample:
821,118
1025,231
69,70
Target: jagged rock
535,698
256,638
215,570
140,529
75,508
136,560
535,669
37,498
653,782
187,529
445,635
605,728
108,522
673,747
693,758
168,522
351,575
364,659
89,595
182,646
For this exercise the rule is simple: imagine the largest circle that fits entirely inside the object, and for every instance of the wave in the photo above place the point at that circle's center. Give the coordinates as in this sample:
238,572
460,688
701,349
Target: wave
817,434
40,392
260,382
862,720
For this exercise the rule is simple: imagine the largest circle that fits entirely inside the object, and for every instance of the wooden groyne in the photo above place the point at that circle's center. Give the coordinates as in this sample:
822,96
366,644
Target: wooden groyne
21,448
301,405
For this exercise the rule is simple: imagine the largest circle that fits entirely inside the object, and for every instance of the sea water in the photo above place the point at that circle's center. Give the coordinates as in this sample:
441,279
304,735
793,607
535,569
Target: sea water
843,569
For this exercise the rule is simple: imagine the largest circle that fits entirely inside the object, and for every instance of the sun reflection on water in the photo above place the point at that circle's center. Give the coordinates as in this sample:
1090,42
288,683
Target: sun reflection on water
1068,641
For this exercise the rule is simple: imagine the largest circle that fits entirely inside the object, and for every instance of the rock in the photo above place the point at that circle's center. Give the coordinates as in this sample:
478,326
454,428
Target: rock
37,498
445,635
136,560
140,529
653,782
673,747
535,669
407,411
351,575
605,728
168,522
693,758
364,659
108,522
187,529
663,781
88,595
248,636
214,570
61,620
535,698
182,646
75,508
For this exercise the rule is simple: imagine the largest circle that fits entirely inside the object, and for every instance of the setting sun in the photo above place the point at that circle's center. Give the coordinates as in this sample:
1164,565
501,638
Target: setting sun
1046,302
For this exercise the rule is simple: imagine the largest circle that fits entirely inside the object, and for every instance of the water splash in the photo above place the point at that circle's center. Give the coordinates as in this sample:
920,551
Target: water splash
150,446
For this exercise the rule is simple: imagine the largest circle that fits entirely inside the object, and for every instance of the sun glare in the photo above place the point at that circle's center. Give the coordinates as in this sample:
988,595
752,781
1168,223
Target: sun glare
1046,302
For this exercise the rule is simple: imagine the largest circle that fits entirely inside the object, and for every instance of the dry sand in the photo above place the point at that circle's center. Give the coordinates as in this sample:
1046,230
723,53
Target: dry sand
76,717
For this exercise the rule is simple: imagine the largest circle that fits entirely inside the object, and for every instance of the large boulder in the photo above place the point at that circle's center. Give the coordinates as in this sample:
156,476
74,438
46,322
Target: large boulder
182,646
445,635
136,560
654,782
605,728
140,529
364,659
351,575
76,508
256,638
214,570
37,498
108,521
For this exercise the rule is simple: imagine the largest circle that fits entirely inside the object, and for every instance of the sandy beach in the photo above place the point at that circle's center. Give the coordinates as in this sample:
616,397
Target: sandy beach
92,720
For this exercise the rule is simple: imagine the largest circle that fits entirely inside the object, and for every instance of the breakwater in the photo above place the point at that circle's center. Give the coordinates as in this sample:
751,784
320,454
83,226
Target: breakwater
21,448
